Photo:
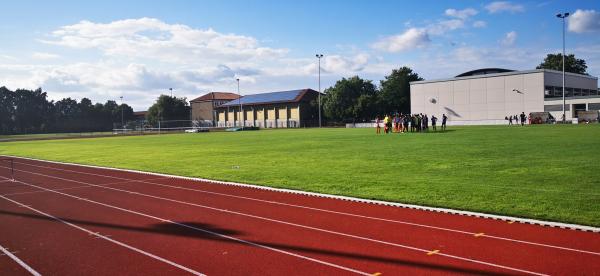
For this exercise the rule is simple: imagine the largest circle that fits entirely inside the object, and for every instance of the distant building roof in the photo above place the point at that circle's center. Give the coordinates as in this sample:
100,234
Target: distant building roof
140,113
484,71
216,96
475,75
270,97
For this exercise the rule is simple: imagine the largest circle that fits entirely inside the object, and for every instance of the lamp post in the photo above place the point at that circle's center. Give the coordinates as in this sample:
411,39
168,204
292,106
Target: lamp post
319,56
563,16
171,89
240,102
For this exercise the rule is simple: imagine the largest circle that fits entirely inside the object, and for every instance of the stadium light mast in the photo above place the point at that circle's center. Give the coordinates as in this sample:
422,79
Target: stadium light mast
171,89
319,56
563,16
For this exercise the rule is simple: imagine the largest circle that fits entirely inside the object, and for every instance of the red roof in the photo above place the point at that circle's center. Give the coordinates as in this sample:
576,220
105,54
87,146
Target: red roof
216,96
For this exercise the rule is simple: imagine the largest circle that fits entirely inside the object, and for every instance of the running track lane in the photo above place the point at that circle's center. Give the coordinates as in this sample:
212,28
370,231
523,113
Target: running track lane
548,260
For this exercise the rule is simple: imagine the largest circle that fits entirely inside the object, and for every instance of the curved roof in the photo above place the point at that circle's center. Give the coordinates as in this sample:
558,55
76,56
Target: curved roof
484,71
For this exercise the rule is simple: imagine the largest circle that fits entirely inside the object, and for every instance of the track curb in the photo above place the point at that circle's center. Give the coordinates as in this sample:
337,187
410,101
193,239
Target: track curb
345,198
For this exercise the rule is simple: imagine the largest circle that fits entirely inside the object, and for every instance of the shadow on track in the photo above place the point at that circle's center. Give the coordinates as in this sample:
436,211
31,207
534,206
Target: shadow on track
177,230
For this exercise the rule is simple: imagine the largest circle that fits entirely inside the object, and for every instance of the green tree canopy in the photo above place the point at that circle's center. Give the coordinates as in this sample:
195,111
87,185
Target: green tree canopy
572,64
168,108
394,94
350,100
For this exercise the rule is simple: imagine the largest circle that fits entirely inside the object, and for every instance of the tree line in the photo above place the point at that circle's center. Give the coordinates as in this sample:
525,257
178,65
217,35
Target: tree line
29,111
355,99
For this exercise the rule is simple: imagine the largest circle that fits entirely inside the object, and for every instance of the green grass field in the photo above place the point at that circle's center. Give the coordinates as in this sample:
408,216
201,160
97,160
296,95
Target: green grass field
542,172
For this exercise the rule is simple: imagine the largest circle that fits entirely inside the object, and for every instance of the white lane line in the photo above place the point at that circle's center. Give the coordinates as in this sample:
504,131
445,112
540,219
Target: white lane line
146,181
77,187
97,235
271,220
19,261
199,229
338,197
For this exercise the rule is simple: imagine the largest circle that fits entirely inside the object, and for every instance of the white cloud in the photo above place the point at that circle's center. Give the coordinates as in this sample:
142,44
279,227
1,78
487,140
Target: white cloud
151,38
444,26
509,38
582,21
411,39
479,24
504,6
462,14
39,55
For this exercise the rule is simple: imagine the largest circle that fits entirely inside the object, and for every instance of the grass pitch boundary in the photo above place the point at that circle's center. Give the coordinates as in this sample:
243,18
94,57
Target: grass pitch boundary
347,198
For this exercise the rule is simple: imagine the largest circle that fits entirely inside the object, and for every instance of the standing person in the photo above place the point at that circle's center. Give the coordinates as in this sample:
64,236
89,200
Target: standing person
433,121
516,119
413,119
406,121
419,122
386,119
523,117
444,119
509,120
378,125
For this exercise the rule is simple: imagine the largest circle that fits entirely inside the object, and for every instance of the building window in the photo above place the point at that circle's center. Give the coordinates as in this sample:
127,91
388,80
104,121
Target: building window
594,106
555,107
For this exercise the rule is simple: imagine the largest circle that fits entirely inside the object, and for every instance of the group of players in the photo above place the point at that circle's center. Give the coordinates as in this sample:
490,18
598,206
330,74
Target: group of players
402,123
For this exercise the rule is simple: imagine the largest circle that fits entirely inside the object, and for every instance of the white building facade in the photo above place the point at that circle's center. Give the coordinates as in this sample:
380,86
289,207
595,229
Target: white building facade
487,96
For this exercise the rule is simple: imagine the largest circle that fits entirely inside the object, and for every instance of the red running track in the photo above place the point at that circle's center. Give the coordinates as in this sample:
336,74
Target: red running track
73,220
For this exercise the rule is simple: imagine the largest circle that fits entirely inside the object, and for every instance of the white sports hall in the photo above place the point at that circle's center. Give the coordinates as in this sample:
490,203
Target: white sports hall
487,96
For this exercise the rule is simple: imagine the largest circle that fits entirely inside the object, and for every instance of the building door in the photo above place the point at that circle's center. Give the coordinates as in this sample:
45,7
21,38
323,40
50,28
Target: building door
577,108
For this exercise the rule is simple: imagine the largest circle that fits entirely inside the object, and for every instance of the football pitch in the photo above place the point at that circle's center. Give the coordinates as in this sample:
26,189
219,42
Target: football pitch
542,172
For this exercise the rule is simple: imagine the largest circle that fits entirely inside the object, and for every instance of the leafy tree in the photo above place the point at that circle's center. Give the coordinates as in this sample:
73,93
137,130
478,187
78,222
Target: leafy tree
7,110
572,64
68,115
394,94
32,111
350,100
168,108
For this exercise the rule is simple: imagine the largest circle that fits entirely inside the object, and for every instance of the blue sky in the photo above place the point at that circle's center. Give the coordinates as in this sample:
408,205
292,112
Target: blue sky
139,49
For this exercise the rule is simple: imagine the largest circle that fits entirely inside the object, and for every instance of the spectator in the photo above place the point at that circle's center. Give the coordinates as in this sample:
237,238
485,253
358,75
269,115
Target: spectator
444,119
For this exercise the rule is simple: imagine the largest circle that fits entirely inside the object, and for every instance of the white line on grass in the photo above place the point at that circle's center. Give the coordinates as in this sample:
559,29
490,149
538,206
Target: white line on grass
265,219
19,261
198,229
105,237
146,181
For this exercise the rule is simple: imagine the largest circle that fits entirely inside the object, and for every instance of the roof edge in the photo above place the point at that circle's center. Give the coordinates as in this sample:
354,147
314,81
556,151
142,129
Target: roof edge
502,74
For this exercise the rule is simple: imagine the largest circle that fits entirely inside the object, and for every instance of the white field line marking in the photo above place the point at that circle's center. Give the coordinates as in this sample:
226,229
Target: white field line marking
146,181
337,197
199,229
97,235
77,187
273,220
19,261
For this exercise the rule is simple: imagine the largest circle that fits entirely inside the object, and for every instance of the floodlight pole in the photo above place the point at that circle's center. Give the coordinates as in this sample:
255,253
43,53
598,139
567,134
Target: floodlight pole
319,56
563,16
171,89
